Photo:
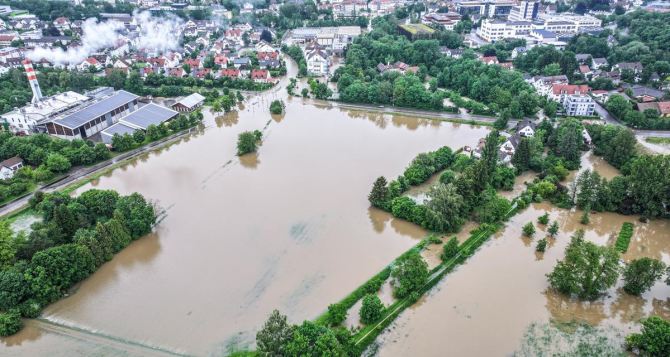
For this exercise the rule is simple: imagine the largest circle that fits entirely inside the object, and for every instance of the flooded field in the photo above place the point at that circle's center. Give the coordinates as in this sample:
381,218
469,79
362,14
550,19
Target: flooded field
485,306
288,227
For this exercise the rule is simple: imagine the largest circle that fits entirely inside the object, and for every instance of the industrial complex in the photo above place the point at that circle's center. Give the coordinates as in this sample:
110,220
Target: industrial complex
95,115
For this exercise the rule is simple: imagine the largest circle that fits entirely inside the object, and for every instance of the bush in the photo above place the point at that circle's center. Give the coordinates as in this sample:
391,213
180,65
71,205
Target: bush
447,177
585,218
653,340
553,229
529,229
541,245
372,309
641,274
277,107
450,249
410,274
336,314
623,240
246,143
10,323
543,219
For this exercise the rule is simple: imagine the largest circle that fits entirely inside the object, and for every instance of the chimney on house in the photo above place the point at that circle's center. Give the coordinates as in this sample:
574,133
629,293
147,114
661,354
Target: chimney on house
32,80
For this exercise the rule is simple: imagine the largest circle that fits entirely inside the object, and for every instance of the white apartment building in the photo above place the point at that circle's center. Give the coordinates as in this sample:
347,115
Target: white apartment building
574,99
526,11
317,62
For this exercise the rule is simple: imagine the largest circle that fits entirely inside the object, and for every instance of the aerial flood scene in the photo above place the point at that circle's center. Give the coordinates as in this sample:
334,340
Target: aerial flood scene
299,178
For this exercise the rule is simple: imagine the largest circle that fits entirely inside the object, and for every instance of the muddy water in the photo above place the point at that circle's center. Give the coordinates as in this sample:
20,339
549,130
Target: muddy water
485,306
288,227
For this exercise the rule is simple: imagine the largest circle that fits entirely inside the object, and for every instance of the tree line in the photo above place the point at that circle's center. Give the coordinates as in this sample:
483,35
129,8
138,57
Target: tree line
74,238
44,157
467,189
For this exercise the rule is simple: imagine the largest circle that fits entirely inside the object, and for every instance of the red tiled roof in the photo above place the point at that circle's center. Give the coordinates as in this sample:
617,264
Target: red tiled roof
230,72
558,89
259,74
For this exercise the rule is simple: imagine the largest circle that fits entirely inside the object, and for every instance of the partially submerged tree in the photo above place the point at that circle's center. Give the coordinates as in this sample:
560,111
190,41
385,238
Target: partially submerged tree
587,270
275,334
641,274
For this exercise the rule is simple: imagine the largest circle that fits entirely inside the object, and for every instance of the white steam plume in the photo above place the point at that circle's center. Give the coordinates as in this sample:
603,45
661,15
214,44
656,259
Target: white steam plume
155,35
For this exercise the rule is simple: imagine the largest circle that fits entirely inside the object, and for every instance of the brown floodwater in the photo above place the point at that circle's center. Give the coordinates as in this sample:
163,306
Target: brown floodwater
484,307
288,227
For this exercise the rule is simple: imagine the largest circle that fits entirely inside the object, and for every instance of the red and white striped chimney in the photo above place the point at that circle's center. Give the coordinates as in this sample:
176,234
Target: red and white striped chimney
32,80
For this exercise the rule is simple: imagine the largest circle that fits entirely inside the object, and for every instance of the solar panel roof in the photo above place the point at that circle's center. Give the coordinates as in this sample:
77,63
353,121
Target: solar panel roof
118,128
147,115
97,109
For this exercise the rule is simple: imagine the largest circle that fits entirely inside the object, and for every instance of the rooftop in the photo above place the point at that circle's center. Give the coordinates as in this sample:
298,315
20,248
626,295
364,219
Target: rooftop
150,114
81,117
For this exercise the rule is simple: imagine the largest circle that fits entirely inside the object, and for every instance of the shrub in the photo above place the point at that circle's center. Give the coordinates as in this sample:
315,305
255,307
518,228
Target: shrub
623,240
529,229
541,245
450,249
10,323
372,309
246,143
447,177
553,229
585,218
336,314
653,340
277,107
641,274
410,273
543,219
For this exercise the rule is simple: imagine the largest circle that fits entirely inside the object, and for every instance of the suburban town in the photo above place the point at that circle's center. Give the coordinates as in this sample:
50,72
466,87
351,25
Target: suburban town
335,178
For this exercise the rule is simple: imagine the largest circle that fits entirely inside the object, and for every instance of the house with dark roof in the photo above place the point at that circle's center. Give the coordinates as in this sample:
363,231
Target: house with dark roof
9,167
645,94
526,128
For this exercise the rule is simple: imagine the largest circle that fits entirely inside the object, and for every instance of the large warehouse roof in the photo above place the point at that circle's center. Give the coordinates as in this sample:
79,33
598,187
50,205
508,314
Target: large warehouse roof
118,128
147,115
96,109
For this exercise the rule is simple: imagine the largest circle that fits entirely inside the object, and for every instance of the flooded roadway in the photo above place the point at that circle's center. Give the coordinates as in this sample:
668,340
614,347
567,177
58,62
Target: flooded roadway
288,227
485,306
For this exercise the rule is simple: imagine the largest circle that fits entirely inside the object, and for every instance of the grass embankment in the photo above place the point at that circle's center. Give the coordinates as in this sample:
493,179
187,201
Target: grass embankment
367,335
657,140
623,240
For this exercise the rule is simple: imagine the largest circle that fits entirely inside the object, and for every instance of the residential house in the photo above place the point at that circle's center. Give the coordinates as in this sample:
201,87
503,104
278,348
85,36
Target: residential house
230,73
583,58
90,62
452,52
9,167
508,148
526,128
645,94
518,51
662,108
600,63
489,59
400,67
260,75
543,84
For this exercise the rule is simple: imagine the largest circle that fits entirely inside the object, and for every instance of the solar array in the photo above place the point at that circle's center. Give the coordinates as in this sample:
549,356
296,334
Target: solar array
147,115
96,110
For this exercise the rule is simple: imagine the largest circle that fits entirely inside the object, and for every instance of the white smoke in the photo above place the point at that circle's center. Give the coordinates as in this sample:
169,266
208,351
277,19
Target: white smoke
157,35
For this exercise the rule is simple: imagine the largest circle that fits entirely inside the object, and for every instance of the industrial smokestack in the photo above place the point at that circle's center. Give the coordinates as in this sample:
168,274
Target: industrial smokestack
32,80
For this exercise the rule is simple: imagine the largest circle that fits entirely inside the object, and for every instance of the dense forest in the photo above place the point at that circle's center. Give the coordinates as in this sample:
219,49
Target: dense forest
73,239
360,81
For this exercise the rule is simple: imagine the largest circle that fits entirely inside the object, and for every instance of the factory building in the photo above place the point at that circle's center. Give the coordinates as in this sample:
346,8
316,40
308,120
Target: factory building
86,121
141,119
71,115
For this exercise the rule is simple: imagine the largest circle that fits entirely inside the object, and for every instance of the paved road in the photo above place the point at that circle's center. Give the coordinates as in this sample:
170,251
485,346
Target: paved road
82,172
